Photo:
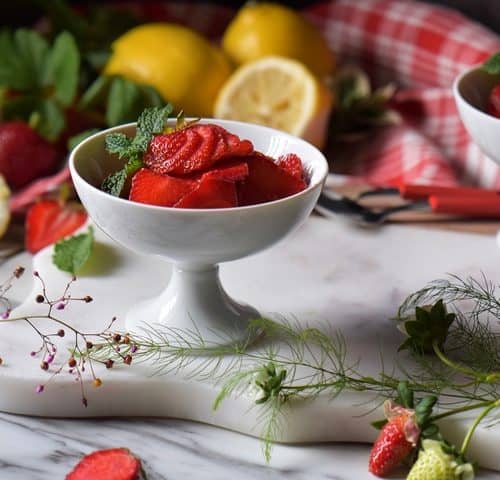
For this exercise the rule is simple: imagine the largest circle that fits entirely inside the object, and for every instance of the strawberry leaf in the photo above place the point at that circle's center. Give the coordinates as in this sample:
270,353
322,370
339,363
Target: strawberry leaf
72,253
50,119
124,102
62,68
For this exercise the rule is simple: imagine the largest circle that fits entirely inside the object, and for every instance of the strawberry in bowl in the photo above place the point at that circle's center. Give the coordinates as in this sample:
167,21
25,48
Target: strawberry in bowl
228,198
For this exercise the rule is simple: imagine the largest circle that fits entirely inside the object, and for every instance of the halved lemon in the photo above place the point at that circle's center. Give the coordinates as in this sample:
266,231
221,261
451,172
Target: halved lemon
279,93
4,206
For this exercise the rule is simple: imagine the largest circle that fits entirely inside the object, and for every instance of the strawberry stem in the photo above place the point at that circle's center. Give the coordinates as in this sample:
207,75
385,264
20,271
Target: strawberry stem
450,363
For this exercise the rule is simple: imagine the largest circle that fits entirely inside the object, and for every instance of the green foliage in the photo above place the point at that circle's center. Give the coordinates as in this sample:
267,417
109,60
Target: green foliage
43,77
429,329
151,121
492,65
71,254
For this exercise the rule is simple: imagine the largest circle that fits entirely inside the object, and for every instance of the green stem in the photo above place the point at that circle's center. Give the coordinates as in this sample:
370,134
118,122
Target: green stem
453,365
477,421
465,408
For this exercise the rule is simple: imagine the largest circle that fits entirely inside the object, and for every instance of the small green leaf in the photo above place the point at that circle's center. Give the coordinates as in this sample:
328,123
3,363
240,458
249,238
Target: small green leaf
63,64
423,410
492,65
114,183
96,93
72,253
117,143
431,431
124,102
151,121
52,120
80,137
405,395
378,424
31,50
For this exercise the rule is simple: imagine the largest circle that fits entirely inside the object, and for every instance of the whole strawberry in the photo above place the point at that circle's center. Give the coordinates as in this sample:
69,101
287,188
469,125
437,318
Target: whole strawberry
396,440
434,463
24,154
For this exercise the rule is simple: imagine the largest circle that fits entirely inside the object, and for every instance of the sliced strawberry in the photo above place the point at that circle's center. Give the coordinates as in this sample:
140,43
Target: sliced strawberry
193,149
292,164
112,464
48,221
211,193
266,181
230,171
154,189
493,106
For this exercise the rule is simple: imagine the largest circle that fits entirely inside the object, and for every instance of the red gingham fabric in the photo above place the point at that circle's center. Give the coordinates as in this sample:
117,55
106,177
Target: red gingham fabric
421,48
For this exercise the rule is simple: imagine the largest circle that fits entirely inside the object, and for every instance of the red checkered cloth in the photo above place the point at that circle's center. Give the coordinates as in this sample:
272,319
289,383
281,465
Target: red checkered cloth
418,46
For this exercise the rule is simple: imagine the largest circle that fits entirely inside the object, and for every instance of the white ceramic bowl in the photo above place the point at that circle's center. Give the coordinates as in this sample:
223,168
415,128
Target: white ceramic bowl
196,240
471,90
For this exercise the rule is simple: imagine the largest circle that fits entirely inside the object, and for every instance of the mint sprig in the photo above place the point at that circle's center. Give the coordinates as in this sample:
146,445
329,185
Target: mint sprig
152,121
72,253
492,65
43,78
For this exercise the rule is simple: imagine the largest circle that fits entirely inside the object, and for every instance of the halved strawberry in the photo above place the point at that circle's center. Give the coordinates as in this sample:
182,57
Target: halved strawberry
230,171
112,464
266,181
193,149
292,164
48,221
210,193
154,189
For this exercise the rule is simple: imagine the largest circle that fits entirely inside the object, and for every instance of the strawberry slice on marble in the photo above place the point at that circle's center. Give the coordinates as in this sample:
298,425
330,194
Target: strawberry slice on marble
193,149
111,464
163,190
266,181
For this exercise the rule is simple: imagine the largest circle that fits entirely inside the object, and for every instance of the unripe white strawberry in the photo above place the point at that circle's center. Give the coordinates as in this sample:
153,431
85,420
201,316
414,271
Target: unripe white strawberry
434,464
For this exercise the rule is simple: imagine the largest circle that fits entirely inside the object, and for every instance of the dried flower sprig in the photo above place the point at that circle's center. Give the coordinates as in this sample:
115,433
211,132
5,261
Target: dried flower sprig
71,355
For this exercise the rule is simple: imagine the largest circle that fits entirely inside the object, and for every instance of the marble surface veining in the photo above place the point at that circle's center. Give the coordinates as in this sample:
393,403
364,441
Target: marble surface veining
47,449
34,448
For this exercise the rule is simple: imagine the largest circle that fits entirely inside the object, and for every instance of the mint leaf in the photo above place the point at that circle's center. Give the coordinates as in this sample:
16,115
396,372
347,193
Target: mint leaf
72,253
62,67
492,65
151,121
117,143
114,183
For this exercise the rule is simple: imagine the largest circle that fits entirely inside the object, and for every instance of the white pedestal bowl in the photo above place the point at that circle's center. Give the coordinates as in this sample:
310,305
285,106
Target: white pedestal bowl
196,240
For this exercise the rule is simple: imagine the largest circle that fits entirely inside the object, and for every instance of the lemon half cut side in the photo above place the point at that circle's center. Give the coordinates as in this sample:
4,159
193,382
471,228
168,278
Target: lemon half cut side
277,92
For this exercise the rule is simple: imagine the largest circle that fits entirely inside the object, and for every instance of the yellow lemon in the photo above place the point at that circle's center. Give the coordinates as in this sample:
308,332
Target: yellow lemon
182,65
280,93
263,29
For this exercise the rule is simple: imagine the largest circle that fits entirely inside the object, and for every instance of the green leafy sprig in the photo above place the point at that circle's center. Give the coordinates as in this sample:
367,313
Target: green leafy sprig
492,65
151,121
72,253
39,80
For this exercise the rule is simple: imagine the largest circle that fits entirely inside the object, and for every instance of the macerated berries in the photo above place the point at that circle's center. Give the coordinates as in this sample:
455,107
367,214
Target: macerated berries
24,155
193,149
48,221
396,440
112,464
493,105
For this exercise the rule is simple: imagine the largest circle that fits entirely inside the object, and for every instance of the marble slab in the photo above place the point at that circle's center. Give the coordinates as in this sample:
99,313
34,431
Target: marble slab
328,272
